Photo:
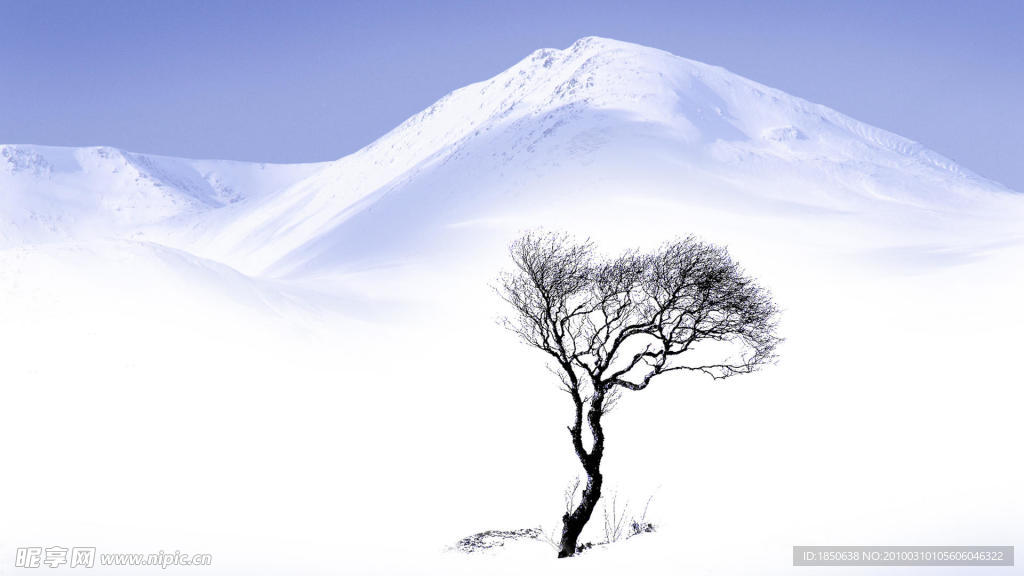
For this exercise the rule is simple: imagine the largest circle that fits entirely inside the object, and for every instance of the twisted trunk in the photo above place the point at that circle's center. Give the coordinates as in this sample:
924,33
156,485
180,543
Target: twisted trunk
573,522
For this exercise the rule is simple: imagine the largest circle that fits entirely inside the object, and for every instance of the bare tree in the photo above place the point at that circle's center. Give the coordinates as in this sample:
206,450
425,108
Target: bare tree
610,325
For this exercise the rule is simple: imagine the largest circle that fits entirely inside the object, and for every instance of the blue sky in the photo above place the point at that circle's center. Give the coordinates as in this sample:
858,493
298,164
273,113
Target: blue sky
306,81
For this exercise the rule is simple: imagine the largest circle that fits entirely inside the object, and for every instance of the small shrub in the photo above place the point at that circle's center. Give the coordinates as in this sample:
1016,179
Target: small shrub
619,524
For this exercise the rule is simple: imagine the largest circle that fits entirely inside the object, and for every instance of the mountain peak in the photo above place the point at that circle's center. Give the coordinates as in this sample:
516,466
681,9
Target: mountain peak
597,44
705,105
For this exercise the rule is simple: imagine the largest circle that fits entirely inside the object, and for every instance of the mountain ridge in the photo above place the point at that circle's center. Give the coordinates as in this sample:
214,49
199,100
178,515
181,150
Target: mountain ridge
578,105
604,116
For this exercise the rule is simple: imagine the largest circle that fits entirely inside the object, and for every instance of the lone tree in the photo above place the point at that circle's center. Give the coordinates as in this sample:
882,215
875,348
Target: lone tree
616,324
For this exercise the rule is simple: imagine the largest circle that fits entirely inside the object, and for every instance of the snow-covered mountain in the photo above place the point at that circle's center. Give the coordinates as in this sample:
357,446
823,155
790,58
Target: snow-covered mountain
599,121
562,131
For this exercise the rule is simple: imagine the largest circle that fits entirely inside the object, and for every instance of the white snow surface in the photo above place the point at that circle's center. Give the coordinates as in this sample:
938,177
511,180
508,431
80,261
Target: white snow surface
297,369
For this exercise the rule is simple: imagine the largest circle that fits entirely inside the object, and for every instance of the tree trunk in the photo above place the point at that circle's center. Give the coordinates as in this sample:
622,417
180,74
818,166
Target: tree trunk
572,524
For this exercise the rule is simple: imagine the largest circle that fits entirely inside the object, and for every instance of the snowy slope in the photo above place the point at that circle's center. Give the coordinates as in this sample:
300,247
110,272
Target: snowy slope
599,121
51,193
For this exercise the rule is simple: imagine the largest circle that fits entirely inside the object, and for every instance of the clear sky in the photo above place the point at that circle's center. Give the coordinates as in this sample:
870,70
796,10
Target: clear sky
290,81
